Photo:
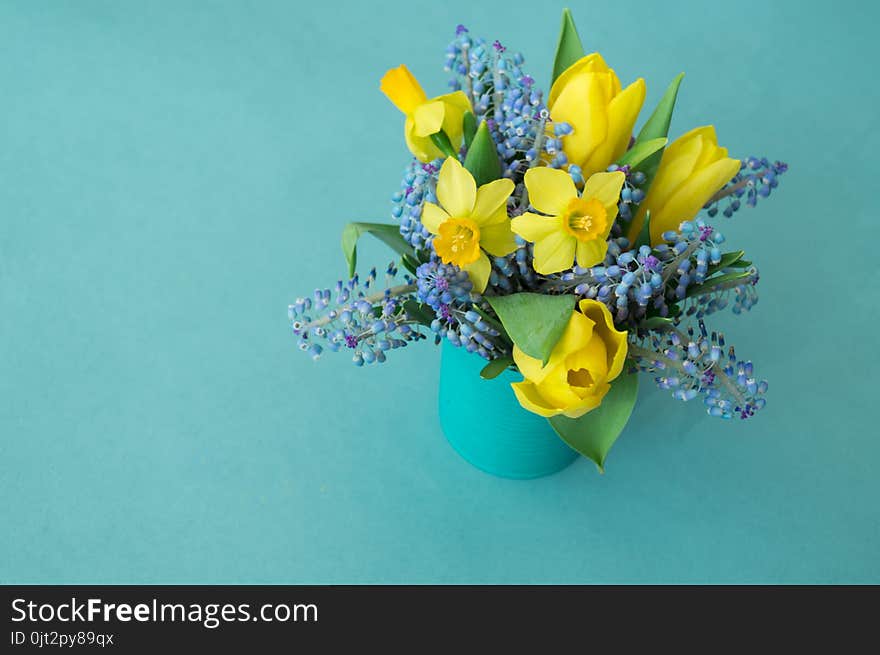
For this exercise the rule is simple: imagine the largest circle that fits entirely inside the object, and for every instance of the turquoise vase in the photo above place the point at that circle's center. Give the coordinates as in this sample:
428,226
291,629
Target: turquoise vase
486,425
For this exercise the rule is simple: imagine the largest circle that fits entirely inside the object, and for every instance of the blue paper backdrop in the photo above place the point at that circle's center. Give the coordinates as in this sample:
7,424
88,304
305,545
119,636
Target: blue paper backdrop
172,174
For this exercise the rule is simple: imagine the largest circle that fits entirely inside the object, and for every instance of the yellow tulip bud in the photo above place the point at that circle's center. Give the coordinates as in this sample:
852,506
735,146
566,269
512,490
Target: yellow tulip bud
586,359
587,96
693,169
424,116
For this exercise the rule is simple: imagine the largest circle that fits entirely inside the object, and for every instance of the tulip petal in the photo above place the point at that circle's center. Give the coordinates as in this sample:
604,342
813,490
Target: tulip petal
583,104
556,390
531,367
478,272
690,197
591,252
490,198
591,356
428,118
604,187
614,339
578,331
402,89
458,99
456,189
432,217
554,253
623,110
589,403
592,63
533,227
676,165
497,239
528,396
550,189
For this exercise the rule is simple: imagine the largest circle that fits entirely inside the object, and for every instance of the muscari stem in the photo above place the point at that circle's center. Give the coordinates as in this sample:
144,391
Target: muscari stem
670,268
650,356
399,290
729,190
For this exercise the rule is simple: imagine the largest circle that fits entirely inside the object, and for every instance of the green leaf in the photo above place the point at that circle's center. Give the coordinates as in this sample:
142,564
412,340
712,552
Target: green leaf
441,140
482,157
593,434
657,127
728,260
568,48
418,312
641,151
388,234
534,321
469,126
496,367
716,281
656,323
644,237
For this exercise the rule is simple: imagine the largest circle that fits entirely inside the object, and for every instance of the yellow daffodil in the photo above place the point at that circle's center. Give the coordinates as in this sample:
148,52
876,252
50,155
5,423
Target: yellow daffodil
587,96
693,168
469,222
586,359
576,227
425,117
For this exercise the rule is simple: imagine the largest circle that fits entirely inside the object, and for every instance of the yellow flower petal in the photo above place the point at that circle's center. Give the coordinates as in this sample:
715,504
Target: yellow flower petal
497,239
531,367
690,197
578,331
428,118
530,399
593,357
479,272
491,198
533,227
589,403
433,216
556,390
549,189
456,189
422,148
604,187
583,104
615,340
402,89
622,113
591,252
554,253
592,63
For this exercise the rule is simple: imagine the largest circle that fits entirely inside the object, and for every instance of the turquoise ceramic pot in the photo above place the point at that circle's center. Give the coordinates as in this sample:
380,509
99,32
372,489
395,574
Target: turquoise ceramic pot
486,425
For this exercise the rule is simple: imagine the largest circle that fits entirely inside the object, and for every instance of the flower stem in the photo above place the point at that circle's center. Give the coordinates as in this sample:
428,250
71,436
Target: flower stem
399,290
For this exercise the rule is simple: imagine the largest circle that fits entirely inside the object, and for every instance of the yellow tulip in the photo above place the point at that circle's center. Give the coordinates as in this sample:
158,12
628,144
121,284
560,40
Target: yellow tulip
576,227
425,117
469,222
587,96
693,168
586,359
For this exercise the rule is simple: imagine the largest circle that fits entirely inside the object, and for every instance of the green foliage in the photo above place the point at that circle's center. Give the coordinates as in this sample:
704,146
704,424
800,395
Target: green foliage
534,321
482,157
593,434
388,234
569,48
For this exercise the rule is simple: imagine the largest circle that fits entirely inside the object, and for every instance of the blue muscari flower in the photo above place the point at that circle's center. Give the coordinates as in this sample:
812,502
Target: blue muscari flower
757,177
356,316
692,363
442,284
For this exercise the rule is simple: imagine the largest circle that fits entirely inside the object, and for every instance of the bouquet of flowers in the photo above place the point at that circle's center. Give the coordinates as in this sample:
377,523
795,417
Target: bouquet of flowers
539,234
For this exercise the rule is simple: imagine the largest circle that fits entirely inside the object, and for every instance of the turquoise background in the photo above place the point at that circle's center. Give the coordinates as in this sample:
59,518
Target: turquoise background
172,174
